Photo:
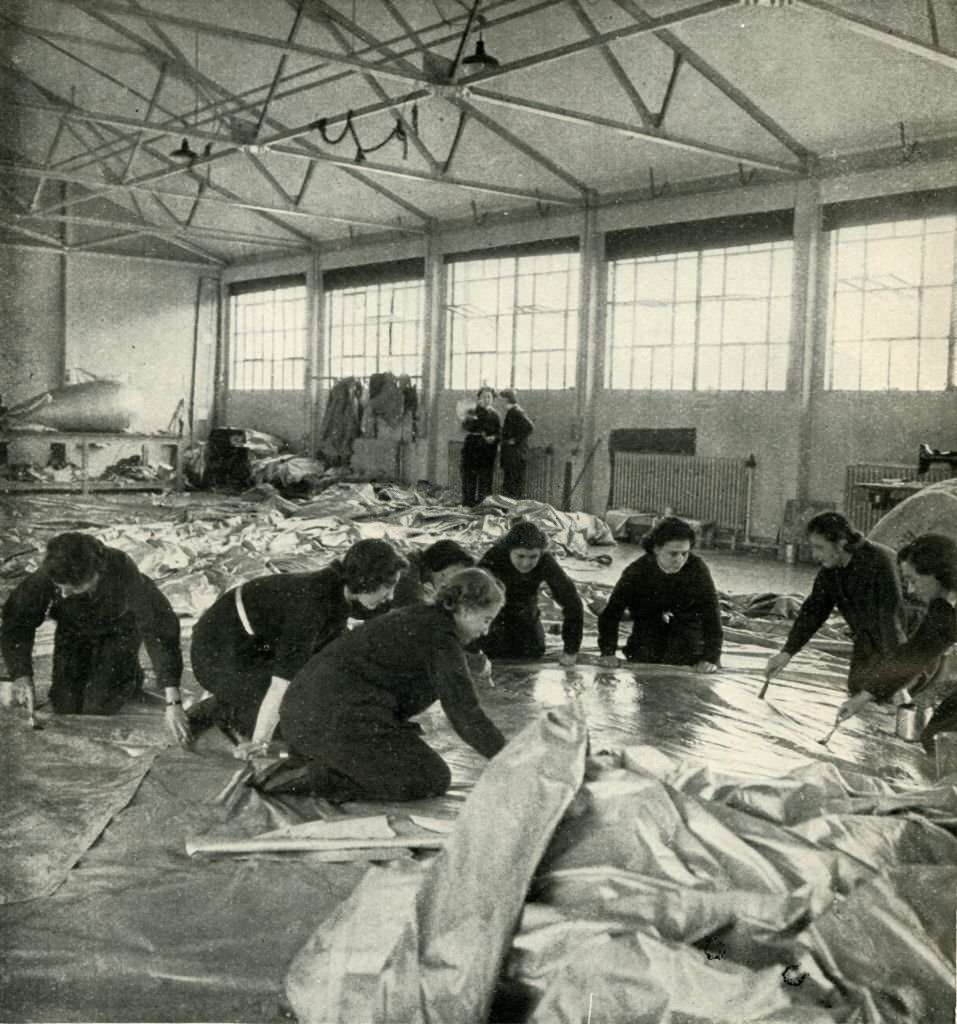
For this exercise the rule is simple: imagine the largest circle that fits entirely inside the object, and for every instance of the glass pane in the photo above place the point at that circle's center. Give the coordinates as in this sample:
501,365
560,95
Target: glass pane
848,316
777,367
623,289
890,314
712,275
653,324
622,325
684,323
874,366
661,369
548,331
683,367
782,271
709,326
894,263
523,370
779,327
732,367
935,312
748,274
656,282
709,363
551,291
755,368
745,322
902,370
932,375
641,369
845,367
556,369
686,278
939,259
850,266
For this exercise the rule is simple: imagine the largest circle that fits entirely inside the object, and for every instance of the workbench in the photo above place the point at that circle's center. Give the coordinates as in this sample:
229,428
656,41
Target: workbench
96,451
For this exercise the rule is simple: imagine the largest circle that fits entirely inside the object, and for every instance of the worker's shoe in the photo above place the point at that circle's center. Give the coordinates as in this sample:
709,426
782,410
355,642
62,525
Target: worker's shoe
203,715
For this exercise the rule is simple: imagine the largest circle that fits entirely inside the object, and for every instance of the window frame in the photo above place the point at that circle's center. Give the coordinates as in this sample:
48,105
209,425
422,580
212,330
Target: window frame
241,374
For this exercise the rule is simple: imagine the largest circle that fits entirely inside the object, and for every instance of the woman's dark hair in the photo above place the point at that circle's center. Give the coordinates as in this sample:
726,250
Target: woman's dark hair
469,590
833,527
933,554
441,555
669,528
485,387
73,558
525,535
370,564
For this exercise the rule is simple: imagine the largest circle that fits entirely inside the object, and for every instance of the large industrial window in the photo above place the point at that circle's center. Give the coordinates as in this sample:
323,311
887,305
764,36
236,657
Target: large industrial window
268,335
513,320
375,329
891,305
705,319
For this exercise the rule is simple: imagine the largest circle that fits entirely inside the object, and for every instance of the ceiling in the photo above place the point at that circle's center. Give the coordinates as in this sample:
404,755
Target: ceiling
283,104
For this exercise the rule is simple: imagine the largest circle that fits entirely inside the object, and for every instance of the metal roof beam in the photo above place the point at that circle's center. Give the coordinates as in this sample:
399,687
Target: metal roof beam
632,131
722,84
883,34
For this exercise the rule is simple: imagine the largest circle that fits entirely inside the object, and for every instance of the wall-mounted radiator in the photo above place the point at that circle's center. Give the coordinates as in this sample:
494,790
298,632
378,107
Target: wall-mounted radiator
711,489
539,478
858,509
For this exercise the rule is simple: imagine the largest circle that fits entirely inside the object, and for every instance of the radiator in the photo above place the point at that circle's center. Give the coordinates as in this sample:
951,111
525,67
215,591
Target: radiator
538,478
859,511
710,489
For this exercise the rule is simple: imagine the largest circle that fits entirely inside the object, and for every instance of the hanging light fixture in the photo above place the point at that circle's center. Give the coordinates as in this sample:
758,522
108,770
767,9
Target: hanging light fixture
480,58
185,154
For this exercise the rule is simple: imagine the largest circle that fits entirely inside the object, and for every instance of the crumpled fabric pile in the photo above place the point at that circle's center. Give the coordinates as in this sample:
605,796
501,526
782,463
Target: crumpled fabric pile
635,887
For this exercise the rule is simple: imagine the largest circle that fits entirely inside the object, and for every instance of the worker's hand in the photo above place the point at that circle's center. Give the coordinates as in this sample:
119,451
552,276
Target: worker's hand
20,691
776,663
491,438
481,668
854,705
608,661
566,660
177,724
705,667
250,748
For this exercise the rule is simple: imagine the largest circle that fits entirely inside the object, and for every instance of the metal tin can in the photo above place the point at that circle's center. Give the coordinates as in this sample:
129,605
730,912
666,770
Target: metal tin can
909,722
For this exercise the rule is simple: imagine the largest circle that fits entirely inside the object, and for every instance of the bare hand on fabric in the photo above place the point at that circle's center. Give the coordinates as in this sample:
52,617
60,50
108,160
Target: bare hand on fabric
705,667
20,691
608,661
177,724
250,748
854,705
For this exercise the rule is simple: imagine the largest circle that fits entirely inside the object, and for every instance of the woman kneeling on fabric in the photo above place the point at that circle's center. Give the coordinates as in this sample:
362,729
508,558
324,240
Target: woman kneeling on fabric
249,644
348,712
928,568
522,563
673,604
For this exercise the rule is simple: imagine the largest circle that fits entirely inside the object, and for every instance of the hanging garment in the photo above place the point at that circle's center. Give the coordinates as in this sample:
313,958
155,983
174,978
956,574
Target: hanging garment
341,421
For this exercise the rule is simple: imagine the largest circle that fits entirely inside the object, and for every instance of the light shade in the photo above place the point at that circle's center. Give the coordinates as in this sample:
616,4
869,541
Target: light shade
480,57
185,154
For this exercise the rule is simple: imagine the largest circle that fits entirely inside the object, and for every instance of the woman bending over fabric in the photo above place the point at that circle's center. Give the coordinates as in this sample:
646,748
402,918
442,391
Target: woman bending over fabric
673,604
522,564
104,608
428,570
249,644
349,711
928,568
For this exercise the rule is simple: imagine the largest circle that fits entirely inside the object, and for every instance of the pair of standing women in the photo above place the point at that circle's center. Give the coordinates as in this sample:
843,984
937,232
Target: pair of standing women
484,433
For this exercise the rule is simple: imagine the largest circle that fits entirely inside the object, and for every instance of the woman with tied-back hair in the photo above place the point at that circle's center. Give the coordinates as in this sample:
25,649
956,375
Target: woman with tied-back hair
673,604
349,712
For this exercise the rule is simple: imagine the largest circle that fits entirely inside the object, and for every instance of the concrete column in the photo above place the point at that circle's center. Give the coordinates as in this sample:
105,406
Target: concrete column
591,365
316,347
806,372
433,357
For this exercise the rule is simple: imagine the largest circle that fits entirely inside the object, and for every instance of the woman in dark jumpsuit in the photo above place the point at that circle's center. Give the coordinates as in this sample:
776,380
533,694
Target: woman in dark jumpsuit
250,643
522,564
348,712
482,431
104,608
672,601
